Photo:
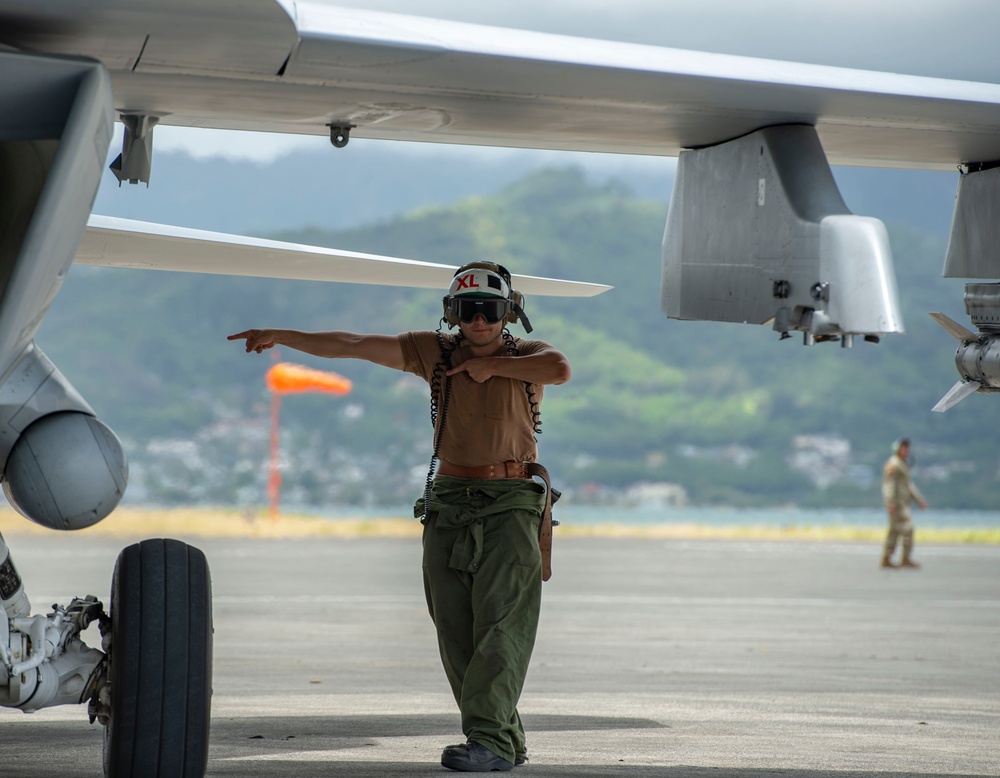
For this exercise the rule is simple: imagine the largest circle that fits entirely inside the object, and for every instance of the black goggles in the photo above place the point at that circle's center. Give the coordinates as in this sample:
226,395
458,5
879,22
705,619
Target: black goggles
468,308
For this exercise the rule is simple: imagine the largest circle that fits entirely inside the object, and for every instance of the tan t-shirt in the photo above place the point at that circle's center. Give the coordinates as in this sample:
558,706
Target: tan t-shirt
485,423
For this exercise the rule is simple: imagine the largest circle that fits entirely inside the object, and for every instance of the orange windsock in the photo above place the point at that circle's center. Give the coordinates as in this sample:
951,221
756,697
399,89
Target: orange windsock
286,378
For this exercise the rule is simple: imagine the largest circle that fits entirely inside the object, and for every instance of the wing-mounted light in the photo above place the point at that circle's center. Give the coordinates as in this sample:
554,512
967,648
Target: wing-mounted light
758,233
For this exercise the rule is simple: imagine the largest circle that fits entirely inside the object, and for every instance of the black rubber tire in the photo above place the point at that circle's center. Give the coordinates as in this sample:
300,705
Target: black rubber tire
160,662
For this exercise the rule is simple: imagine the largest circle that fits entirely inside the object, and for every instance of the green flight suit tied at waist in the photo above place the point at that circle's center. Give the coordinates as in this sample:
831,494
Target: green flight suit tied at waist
464,503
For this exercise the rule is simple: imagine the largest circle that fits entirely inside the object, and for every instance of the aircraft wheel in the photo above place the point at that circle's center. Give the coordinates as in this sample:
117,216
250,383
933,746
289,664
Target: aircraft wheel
160,662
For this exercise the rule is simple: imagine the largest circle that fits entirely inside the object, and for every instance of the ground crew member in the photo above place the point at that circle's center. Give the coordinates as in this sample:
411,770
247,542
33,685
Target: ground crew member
482,511
898,491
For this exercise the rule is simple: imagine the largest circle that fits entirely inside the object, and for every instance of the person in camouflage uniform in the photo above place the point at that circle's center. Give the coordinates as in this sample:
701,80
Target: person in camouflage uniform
898,491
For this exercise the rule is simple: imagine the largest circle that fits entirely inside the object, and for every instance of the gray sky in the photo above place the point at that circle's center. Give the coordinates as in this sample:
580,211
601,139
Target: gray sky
954,39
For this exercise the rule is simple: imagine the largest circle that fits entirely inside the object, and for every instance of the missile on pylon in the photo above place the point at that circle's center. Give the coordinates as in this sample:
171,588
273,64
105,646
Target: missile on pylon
977,359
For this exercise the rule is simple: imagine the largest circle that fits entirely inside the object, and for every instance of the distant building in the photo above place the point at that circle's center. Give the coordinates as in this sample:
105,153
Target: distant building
826,460
733,454
656,495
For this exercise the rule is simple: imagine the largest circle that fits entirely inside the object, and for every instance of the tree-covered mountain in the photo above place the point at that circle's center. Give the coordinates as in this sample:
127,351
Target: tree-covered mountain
729,412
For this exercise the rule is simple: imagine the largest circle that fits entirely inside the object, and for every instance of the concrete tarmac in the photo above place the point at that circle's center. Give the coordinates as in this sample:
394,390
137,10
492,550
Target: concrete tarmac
654,658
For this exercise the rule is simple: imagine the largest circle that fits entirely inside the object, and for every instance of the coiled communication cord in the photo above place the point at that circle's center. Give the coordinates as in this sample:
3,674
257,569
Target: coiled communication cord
440,369
438,377
535,410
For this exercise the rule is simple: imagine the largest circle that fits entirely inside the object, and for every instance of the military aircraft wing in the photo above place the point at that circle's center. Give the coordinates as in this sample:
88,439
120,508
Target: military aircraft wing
114,242
308,67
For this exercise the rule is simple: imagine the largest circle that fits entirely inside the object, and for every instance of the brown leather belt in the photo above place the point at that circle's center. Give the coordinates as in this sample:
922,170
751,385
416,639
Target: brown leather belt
499,470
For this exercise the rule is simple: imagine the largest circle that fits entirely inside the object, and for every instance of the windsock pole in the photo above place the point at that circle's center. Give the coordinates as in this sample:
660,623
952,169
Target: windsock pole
274,473
284,378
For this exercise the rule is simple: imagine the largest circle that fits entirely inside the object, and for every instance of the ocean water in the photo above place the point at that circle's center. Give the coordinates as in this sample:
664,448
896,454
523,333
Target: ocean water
582,515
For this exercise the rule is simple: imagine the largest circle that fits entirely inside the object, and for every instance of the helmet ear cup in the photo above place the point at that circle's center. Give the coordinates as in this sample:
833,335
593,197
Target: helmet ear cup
449,315
518,299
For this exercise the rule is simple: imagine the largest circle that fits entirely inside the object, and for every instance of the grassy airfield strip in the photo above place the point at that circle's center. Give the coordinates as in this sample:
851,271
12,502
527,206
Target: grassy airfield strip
233,522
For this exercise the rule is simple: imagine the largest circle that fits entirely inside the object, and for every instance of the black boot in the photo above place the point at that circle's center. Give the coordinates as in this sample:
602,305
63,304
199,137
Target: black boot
472,757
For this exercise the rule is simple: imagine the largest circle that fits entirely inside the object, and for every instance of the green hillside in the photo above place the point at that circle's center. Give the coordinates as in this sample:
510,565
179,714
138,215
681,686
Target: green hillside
729,412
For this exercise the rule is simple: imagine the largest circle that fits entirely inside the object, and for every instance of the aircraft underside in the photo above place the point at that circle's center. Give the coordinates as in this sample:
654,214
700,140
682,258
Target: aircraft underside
149,683
756,233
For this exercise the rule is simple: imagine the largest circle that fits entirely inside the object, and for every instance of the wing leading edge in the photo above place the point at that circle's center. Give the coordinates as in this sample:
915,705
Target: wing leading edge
113,242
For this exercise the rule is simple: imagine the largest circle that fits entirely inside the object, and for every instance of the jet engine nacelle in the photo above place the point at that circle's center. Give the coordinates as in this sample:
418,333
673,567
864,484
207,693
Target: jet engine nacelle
62,468
66,471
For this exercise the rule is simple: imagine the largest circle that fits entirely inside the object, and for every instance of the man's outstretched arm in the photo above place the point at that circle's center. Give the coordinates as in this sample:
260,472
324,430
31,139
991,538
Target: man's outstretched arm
380,349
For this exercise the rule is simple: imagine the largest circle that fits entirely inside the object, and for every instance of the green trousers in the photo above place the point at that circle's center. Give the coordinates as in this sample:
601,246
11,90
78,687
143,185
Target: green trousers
483,582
